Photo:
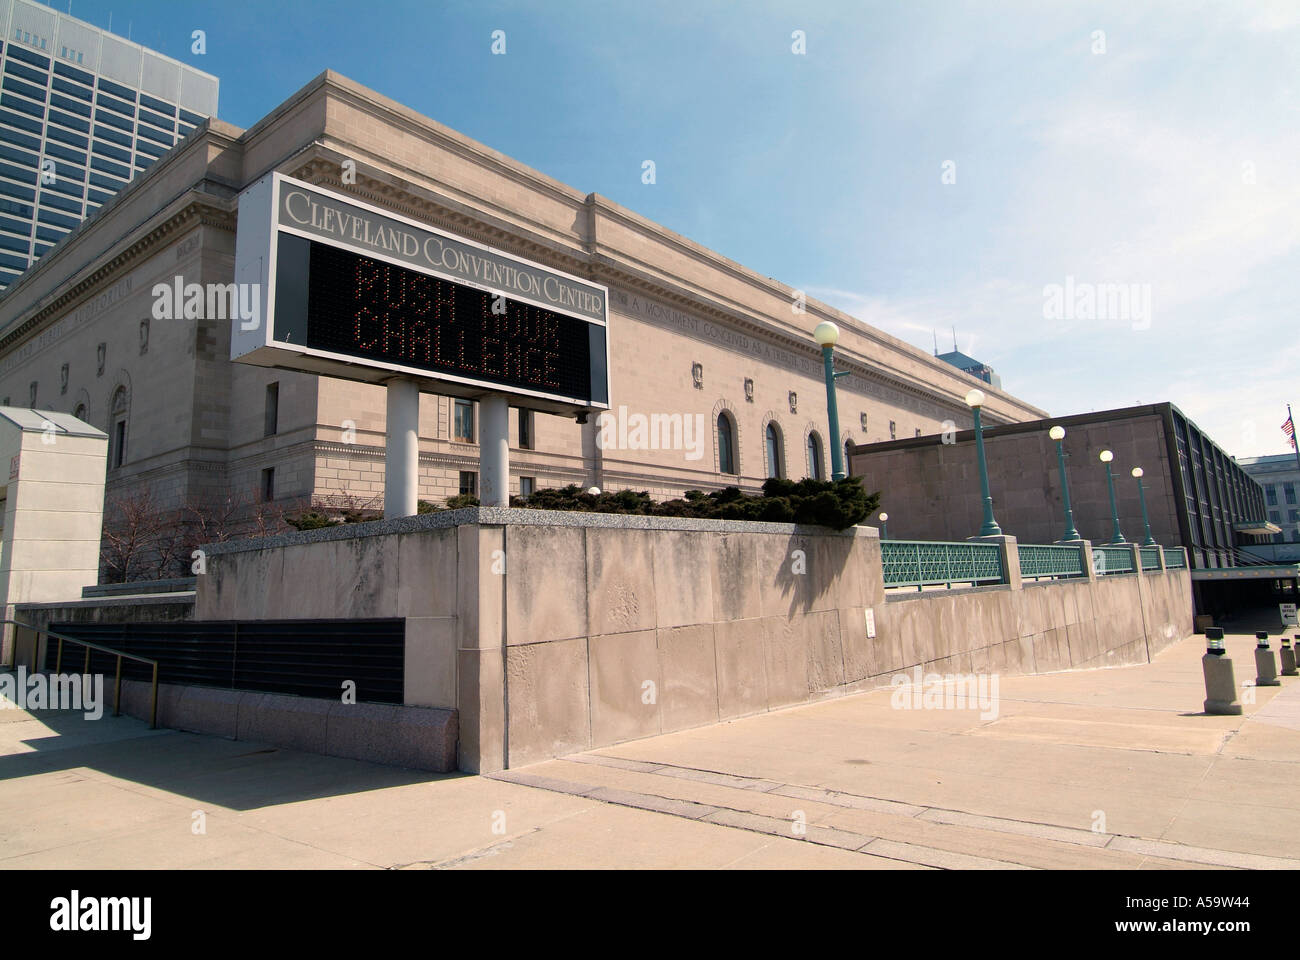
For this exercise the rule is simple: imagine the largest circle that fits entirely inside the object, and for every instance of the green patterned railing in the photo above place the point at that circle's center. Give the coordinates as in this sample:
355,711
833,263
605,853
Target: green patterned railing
917,563
1050,560
1175,558
1150,558
1109,560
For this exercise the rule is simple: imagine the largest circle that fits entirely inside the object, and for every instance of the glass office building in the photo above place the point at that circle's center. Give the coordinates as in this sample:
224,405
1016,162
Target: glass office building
82,111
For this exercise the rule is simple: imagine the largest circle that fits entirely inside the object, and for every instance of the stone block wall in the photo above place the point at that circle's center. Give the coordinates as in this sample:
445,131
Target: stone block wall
552,633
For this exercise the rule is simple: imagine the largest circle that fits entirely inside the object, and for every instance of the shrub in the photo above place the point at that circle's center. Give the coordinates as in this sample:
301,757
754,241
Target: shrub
837,504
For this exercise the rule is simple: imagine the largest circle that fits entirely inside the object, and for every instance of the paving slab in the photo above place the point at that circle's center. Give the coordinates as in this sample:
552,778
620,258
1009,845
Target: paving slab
1112,768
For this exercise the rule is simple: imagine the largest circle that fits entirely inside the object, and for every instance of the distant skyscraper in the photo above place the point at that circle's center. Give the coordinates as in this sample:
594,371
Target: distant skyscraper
82,111
975,368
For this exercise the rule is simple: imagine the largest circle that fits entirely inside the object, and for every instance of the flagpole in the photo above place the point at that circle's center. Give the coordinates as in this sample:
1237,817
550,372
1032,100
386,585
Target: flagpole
1294,445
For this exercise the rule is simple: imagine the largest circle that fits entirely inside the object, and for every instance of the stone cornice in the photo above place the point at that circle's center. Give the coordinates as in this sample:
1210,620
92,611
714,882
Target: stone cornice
199,211
325,172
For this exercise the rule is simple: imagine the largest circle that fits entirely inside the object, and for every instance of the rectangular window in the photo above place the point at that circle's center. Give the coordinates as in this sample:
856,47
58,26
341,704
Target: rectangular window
22,193
525,429
113,120
18,120
272,425
74,73
463,428
72,139
112,136
469,483
1289,490
163,138
18,156
99,180
57,219
68,120
18,173
38,77
156,120
527,486
35,59
1270,491
117,106
119,443
144,146
117,89
61,203
893,430
71,187
71,89
17,139
155,104
26,89
268,484
108,150
26,106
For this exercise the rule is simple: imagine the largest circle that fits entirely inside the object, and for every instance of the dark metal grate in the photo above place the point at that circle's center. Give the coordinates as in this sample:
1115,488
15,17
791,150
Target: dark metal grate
309,658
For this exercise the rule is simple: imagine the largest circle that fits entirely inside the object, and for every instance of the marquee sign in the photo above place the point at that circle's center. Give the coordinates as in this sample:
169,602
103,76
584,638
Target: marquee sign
351,291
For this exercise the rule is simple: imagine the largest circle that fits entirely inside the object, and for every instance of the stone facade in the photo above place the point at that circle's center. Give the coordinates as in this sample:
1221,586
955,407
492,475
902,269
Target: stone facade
690,332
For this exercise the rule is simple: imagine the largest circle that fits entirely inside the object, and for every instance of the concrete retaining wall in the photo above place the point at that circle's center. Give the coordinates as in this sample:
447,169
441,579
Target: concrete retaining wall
1042,627
551,633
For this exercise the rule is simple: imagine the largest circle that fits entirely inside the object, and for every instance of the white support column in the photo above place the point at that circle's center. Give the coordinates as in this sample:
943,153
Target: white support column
494,451
402,455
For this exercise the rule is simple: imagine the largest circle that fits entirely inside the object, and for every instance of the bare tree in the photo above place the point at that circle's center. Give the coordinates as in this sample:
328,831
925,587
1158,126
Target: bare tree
132,526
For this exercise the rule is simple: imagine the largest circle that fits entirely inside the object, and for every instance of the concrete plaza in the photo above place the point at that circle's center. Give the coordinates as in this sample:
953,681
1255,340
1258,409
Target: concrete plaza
1113,768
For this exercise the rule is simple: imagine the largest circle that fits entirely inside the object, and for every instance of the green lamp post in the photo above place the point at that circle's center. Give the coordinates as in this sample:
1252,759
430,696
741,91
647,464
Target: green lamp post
1150,541
827,335
1115,537
974,400
884,525
1058,434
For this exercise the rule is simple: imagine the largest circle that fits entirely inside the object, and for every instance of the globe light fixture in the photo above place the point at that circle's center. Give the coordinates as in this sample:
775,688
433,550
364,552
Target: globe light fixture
1149,540
1058,434
1115,537
884,525
990,528
827,335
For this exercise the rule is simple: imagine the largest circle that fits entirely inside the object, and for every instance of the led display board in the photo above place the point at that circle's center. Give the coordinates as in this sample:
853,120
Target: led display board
351,291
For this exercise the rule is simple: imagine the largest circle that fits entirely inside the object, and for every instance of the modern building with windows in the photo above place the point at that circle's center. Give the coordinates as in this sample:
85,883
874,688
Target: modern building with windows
976,368
1192,493
692,335
82,112
1279,475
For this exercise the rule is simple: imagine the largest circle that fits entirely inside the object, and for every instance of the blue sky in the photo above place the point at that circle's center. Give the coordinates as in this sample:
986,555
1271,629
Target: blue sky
1162,153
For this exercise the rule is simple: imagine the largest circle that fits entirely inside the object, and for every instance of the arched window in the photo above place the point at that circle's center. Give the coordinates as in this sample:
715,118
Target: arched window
80,411
848,461
815,456
726,445
117,428
773,451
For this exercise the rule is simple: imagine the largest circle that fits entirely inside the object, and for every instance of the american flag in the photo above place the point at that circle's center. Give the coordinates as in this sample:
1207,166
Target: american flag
1289,429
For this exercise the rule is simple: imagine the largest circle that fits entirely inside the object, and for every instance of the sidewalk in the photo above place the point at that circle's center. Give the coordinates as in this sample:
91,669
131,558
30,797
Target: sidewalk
1092,769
